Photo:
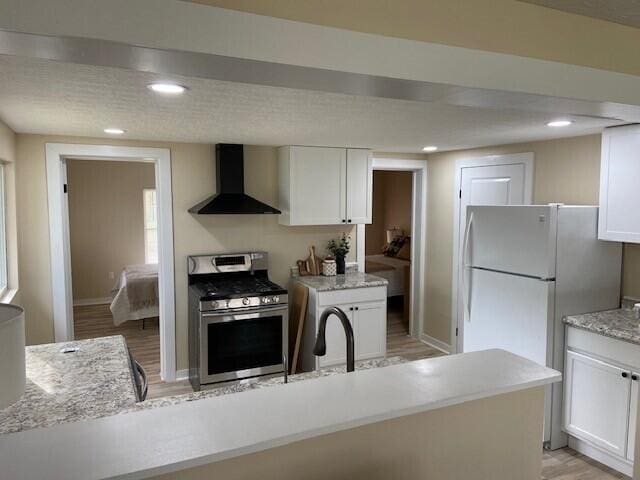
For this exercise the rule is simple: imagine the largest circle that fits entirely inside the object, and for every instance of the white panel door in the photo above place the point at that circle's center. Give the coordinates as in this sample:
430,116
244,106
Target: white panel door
513,239
370,321
359,185
508,312
335,338
633,415
485,185
596,405
619,191
318,185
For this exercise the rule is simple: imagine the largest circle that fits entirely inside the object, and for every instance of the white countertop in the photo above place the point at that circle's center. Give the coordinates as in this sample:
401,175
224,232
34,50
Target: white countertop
161,440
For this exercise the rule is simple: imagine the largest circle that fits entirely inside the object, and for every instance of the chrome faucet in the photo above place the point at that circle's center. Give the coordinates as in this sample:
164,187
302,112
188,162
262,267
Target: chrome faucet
320,349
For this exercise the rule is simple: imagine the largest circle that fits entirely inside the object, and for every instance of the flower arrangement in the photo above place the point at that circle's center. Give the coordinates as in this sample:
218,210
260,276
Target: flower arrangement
339,248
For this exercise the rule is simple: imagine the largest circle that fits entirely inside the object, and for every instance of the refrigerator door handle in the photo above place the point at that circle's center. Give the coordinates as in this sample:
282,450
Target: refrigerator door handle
466,291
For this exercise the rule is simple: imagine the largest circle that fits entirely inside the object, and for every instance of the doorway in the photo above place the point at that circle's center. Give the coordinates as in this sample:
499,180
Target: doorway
114,255
491,180
388,243
57,157
417,170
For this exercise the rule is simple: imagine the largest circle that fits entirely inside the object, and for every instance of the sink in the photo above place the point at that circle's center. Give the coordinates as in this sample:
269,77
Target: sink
12,366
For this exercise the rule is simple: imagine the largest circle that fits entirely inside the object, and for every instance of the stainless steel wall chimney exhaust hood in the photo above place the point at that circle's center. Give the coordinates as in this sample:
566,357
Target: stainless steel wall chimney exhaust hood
231,199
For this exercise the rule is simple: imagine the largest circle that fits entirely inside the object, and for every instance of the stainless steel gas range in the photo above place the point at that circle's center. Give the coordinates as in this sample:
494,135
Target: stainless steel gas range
238,319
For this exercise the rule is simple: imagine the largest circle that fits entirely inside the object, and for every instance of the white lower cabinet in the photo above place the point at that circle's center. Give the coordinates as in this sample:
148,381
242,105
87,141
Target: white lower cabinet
601,397
370,329
597,402
633,414
366,309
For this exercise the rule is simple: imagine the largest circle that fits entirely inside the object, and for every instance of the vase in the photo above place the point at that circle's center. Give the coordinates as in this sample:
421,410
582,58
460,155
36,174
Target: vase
340,265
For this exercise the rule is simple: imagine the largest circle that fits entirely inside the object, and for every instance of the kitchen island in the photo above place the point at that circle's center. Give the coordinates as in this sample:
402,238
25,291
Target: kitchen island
70,382
449,417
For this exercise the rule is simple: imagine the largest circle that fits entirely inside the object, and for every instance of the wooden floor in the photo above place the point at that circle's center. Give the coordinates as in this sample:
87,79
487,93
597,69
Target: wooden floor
567,464
96,321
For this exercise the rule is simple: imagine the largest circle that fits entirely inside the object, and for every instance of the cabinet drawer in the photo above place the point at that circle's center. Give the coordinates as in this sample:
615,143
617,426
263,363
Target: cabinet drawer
354,295
620,352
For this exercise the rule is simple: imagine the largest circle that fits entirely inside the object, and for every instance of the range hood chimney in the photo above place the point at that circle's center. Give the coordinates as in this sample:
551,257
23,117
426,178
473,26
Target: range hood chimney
231,199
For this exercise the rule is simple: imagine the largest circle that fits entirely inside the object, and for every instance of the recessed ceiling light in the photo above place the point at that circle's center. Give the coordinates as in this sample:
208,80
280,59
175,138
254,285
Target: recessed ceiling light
169,88
114,131
559,123
429,148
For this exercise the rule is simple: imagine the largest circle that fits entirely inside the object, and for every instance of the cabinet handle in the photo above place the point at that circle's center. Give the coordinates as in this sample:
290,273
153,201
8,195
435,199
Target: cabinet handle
625,374
357,308
349,220
344,221
351,309
634,377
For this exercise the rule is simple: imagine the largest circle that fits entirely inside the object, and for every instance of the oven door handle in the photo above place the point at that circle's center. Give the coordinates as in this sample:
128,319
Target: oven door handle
256,313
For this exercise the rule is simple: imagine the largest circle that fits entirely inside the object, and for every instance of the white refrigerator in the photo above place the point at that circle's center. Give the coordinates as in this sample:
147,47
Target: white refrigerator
525,269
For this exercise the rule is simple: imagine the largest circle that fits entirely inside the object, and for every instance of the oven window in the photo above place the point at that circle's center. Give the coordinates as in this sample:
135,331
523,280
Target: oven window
243,344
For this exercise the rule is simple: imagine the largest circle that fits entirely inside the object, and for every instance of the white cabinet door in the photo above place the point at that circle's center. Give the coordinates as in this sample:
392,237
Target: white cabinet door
359,185
318,185
335,339
596,405
370,321
633,415
619,191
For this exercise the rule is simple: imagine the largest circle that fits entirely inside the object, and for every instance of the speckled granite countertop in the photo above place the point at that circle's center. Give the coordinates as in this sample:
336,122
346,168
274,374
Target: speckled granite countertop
342,282
95,381
255,384
620,324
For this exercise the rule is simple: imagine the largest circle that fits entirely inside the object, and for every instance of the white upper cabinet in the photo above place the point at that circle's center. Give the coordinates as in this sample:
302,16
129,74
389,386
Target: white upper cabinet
620,185
324,185
359,185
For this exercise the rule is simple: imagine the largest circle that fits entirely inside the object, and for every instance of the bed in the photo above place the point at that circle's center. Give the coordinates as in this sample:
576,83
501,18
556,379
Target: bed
135,294
391,268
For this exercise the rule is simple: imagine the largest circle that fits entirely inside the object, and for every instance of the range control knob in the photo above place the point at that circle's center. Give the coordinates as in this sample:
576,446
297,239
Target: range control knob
246,301
214,304
275,299
266,299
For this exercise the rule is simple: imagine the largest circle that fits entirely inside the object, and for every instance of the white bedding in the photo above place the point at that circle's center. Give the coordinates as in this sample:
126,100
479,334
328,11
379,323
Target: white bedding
135,294
394,275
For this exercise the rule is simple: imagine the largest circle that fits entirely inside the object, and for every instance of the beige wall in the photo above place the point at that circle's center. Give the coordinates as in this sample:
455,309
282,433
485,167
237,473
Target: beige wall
8,155
504,26
392,196
193,180
106,219
495,438
566,171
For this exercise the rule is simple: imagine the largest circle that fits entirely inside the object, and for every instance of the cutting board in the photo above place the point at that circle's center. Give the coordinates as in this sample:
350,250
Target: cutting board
296,323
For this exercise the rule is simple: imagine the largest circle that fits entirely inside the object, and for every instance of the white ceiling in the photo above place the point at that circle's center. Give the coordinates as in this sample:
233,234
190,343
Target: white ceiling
45,97
626,12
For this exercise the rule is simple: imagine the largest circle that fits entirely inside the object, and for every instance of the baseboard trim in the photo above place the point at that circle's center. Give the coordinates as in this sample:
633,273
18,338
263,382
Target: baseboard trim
435,343
91,301
182,375
618,464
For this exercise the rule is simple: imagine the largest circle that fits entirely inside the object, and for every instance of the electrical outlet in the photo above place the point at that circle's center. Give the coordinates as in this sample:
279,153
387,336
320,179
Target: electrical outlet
112,275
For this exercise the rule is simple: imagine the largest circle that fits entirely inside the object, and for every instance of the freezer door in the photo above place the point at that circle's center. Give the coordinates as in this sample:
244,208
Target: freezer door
513,239
511,312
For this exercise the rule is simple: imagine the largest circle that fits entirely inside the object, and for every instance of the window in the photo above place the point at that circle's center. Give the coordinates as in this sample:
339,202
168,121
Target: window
3,234
150,226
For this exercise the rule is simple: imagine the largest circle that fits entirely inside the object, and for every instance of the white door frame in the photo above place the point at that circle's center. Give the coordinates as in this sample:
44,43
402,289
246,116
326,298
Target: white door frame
418,236
491,160
56,155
